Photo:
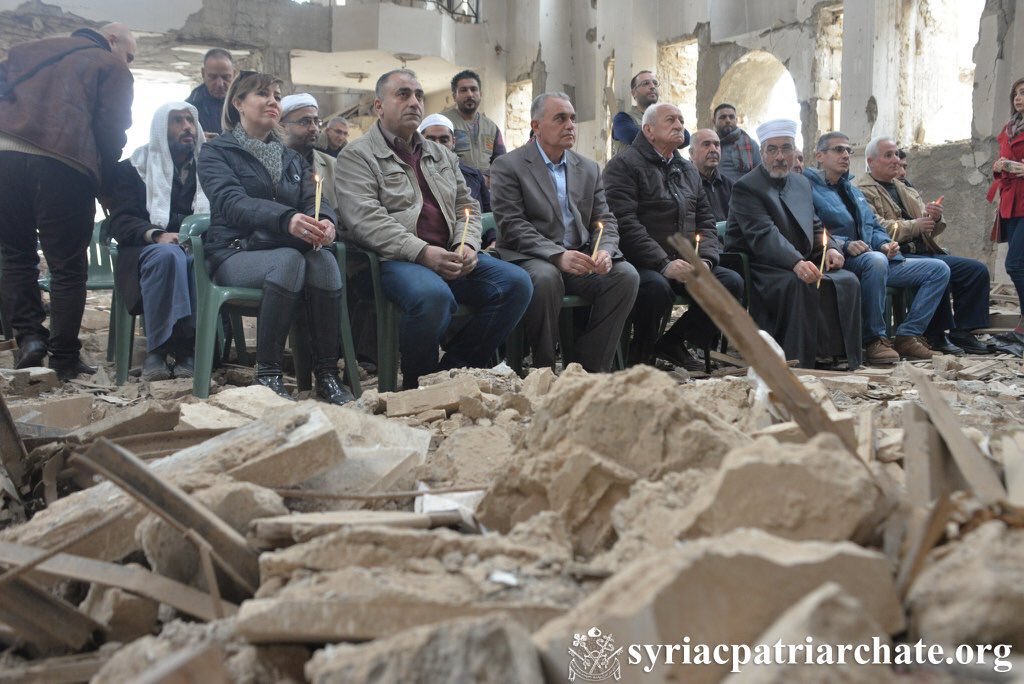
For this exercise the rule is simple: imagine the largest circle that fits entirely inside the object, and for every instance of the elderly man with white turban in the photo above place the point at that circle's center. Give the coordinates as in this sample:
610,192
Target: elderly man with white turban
154,190
802,299
440,129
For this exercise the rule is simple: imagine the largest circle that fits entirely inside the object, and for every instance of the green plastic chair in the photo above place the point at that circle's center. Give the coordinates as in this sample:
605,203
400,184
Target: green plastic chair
123,326
211,298
736,261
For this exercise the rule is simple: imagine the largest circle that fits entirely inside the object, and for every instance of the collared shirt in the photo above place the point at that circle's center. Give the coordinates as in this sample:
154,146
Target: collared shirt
431,226
572,238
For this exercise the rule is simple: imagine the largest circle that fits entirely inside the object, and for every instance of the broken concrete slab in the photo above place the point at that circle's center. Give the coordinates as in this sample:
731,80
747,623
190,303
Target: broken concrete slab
65,413
472,456
282,449
148,416
126,616
817,490
829,616
253,401
538,383
754,577
489,649
28,382
287,529
204,416
444,395
972,591
177,388
356,604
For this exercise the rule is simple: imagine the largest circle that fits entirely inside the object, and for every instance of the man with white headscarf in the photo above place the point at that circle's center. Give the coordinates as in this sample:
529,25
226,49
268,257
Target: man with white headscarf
154,191
771,218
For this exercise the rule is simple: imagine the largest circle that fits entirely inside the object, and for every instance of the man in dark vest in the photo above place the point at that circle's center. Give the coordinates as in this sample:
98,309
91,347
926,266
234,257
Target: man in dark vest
218,71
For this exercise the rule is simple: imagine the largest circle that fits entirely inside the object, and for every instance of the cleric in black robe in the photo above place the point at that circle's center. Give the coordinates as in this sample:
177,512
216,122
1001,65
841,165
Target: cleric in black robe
771,218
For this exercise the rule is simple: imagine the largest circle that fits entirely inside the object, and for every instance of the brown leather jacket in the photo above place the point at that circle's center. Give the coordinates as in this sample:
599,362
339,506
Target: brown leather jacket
77,108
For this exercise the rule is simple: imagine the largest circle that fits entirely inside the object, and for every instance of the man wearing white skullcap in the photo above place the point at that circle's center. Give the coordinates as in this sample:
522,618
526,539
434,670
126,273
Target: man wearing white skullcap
300,117
439,128
771,219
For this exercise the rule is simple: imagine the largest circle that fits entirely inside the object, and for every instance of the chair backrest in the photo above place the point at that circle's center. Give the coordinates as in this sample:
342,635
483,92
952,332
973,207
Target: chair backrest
196,224
487,222
101,270
720,227
191,233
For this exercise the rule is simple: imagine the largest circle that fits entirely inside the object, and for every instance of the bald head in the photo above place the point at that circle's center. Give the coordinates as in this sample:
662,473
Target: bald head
122,42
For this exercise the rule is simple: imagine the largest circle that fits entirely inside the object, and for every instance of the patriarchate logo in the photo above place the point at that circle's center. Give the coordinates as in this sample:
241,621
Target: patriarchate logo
594,657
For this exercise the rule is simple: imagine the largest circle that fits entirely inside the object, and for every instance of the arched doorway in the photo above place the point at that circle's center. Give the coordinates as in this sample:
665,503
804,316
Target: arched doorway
761,89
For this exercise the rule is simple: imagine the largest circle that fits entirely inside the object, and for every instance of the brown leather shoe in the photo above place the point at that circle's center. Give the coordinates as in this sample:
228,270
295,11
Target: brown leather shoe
913,348
880,352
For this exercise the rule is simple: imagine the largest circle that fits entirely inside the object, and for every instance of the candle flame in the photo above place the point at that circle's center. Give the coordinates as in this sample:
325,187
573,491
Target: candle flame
467,212
316,178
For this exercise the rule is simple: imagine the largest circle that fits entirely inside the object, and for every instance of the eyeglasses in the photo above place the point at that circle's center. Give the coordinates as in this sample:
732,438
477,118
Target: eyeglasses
839,149
307,121
648,82
772,150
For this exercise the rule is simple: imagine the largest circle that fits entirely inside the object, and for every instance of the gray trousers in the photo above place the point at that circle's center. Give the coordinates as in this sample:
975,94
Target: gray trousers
611,297
287,268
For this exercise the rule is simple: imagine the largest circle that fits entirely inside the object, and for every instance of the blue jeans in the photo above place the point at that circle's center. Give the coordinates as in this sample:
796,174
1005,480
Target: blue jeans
876,272
969,287
499,293
1015,251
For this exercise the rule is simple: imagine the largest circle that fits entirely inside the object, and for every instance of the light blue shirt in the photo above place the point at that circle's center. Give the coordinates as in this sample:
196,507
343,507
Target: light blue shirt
571,239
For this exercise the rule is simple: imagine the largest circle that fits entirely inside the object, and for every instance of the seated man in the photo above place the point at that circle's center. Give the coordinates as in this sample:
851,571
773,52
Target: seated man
914,224
404,198
655,193
300,118
439,128
153,192
550,208
771,218
706,153
873,256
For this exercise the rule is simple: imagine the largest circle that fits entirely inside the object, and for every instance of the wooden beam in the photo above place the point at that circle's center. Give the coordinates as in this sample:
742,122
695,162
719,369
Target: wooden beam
1013,468
60,669
157,444
176,507
925,457
924,532
741,330
968,457
136,580
13,456
866,434
42,619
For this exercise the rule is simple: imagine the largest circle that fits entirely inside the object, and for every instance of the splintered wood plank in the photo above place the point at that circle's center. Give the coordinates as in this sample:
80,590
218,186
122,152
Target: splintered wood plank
924,457
733,320
1013,468
925,529
283,530
976,470
42,619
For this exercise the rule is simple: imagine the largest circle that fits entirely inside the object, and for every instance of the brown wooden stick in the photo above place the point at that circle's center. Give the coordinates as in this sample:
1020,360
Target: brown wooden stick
206,559
741,330
302,494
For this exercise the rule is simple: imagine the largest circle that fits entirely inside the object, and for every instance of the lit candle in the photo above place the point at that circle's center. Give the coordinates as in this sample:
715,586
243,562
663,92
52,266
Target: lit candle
939,201
696,246
824,250
597,242
464,229
319,193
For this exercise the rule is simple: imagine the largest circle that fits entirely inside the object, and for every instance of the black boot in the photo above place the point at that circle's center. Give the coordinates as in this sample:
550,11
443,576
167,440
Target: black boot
323,315
277,310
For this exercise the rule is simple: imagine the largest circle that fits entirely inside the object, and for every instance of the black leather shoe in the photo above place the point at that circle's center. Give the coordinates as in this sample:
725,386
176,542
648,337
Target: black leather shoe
31,354
72,370
676,352
943,345
275,383
1008,343
969,342
154,367
330,389
184,367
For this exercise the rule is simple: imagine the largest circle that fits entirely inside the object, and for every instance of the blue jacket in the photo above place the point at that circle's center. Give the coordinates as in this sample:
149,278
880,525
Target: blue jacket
832,210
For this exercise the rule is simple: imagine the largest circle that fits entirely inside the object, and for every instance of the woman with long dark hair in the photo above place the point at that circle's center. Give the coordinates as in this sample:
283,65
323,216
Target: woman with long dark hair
263,233
1008,172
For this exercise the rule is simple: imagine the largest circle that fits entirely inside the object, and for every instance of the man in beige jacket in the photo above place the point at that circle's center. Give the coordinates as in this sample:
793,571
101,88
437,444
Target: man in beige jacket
403,197
915,225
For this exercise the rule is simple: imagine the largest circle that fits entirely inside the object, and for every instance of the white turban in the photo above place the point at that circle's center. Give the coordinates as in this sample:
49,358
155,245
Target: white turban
777,128
297,101
437,120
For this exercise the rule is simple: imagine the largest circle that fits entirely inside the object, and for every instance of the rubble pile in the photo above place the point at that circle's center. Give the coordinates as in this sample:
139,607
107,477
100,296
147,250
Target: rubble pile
476,528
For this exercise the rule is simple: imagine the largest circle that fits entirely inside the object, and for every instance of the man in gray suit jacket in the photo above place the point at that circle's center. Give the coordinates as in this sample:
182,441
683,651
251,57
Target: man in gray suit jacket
550,207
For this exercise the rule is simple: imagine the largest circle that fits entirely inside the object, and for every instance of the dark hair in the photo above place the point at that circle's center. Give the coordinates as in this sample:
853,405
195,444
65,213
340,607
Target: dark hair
724,105
217,53
378,90
826,138
1013,89
632,81
465,73
247,82
901,153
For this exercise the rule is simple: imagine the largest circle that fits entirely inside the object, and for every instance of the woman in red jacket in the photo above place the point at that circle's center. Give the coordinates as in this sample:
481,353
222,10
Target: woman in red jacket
1008,171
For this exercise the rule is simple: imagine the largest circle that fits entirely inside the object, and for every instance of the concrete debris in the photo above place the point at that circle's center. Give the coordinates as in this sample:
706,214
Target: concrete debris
446,395
28,382
126,616
287,529
205,416
737,569
149,416
471,456
829,616
972,591
490,649
252,401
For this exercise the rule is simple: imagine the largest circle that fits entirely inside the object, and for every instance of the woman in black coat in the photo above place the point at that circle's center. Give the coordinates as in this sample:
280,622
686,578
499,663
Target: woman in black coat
263,233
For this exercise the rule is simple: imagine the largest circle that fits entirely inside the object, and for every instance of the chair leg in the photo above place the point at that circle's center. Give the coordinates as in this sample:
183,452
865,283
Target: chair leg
238,332
707,357
206,340
349,349
514,350
387,348
567,335
112,327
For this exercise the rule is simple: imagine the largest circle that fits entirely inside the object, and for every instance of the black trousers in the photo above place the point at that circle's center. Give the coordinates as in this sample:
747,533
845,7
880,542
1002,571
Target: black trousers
44,201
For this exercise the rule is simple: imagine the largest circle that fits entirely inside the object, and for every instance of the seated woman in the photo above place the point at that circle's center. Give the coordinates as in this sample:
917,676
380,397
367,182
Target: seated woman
263,233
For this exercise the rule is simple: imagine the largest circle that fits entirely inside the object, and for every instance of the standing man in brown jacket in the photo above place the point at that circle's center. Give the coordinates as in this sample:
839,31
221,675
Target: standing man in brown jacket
65,104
